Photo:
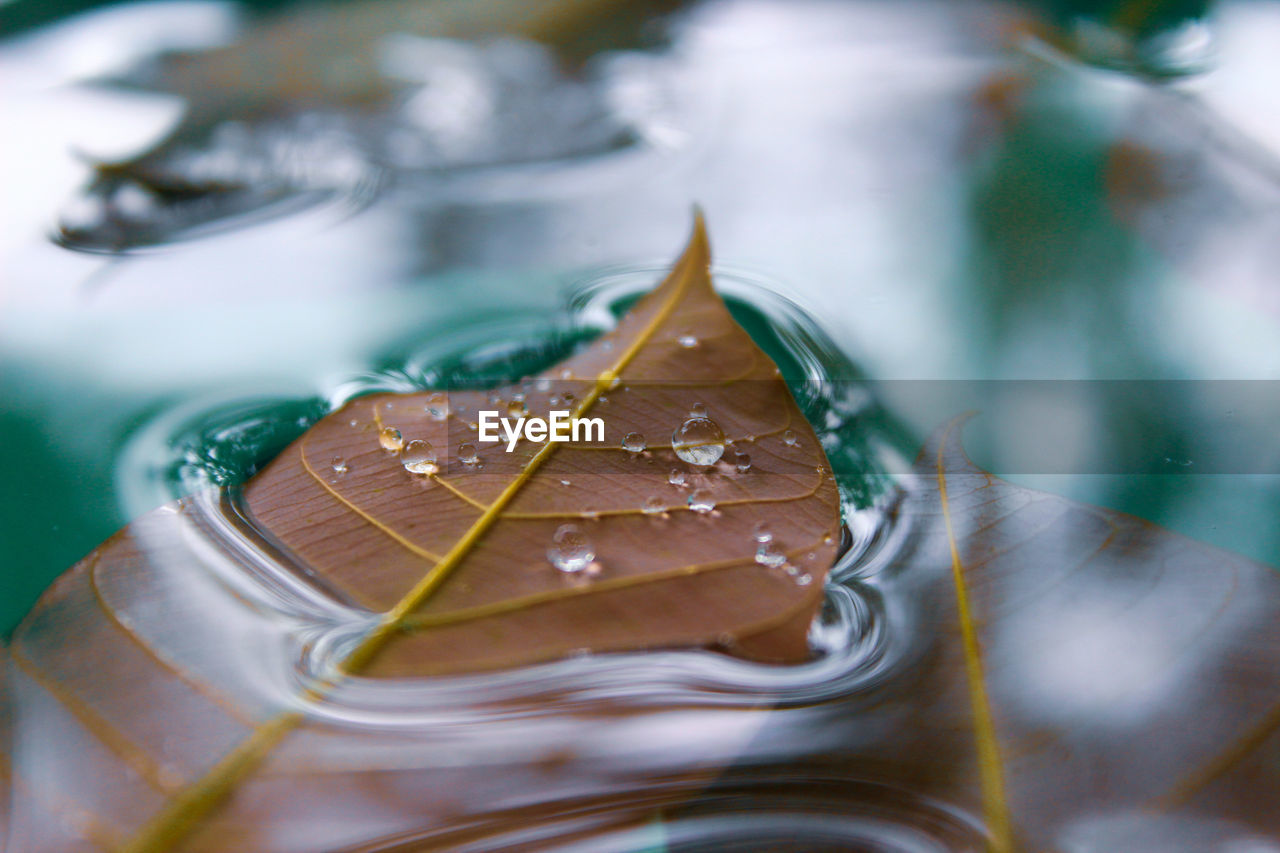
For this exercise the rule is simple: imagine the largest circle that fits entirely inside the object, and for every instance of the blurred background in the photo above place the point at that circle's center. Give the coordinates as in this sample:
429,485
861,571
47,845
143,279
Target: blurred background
217,214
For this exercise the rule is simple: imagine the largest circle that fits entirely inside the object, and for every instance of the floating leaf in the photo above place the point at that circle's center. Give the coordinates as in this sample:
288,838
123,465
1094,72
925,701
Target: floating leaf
461,556
220,647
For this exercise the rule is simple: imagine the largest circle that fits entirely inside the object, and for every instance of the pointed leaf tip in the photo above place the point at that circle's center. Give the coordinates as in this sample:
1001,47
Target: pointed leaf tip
698,238
694,262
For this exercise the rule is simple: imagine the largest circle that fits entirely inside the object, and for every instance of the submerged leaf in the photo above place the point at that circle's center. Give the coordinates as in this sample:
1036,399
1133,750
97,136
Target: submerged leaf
219,673
1098,683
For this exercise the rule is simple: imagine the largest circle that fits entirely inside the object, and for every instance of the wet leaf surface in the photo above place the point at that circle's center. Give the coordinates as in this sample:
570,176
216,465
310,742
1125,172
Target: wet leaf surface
660,572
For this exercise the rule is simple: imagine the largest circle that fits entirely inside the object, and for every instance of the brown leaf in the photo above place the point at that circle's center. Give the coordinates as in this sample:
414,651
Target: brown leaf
159,697
461,556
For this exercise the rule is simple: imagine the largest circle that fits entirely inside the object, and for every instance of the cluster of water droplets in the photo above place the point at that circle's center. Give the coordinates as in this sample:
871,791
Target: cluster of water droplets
417,455
700,442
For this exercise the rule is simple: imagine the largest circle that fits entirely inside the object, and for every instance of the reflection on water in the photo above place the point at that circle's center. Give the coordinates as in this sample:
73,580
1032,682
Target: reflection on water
460,108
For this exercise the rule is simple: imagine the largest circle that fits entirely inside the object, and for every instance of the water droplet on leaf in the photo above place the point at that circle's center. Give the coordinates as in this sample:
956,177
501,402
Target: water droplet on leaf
467,454
419,457
571,549
769,554
654,505
698,441
390,439
633,441
701,501
437,406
